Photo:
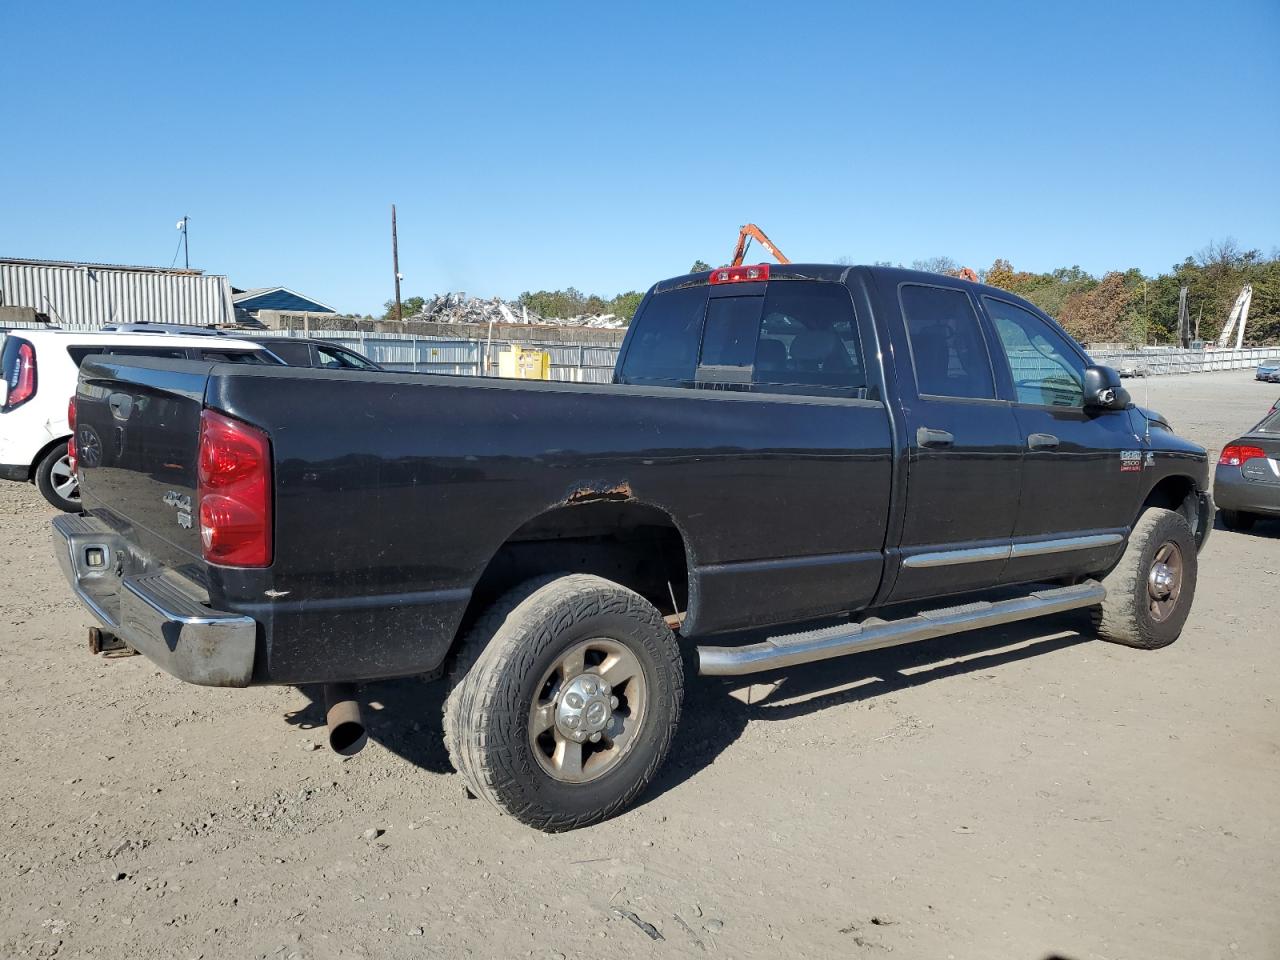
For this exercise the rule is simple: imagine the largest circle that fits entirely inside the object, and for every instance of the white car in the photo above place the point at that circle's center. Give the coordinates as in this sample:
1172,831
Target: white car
38,370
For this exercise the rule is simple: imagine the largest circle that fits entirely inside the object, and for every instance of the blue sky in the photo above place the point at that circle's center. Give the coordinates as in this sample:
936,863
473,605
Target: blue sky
605,146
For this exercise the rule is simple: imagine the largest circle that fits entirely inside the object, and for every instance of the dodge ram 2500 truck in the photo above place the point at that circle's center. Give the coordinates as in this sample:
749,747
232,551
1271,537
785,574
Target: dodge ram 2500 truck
823,451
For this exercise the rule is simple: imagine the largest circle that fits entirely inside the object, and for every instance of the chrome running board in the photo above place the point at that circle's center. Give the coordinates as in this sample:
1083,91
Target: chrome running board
844,639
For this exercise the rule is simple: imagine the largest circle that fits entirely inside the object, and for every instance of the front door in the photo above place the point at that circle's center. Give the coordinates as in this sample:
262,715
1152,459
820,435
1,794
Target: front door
964,450
1081,469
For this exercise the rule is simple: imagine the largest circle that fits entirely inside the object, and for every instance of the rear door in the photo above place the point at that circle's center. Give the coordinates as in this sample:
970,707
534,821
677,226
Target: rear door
1081,469
963,447
810,535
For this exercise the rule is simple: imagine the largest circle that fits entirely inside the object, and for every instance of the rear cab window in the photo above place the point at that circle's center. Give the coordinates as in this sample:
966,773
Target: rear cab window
798,337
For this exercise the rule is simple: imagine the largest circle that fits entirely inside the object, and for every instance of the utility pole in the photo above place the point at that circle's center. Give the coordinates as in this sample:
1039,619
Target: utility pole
395,262
186,251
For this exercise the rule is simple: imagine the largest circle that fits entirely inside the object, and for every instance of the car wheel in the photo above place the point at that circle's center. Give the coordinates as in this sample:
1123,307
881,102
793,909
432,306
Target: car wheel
56,481
565,697
1238,520
1149,592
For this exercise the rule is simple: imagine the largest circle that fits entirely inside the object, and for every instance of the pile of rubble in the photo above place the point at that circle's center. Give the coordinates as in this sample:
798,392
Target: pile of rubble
459,308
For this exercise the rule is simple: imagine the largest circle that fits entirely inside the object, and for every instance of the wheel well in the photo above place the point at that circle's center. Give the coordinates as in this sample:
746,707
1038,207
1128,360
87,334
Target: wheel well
44,452
1177,493
633,544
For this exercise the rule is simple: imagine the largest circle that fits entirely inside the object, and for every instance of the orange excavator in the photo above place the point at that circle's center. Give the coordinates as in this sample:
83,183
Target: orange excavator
749,232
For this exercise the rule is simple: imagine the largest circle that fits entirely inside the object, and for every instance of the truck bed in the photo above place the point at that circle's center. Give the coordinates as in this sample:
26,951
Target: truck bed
394,493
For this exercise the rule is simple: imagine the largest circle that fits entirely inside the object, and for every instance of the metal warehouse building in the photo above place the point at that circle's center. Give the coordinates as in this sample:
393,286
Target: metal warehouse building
86,296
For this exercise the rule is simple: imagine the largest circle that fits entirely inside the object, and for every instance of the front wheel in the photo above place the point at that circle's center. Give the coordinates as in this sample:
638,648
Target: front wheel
1149,592
56,481
565,697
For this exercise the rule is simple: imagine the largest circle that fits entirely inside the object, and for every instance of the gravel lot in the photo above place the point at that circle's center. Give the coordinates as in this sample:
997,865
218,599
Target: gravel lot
1021,793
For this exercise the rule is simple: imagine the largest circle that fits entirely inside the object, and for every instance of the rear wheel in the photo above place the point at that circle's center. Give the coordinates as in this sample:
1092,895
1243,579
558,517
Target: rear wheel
564,700
56,482
1238,520
1149,592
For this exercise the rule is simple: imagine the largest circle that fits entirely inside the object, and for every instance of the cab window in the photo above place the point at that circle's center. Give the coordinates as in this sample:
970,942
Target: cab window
809,341
1046,371
335,358
948,349
664,348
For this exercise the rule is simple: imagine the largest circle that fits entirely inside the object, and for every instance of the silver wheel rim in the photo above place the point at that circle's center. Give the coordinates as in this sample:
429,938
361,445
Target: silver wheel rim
587,711
64,481
1164,581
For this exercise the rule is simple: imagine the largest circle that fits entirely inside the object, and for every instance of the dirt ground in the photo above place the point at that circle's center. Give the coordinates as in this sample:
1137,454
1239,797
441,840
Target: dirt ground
1021,793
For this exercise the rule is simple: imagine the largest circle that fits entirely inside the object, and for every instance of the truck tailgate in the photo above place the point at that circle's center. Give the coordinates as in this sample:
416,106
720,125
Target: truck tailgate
138,435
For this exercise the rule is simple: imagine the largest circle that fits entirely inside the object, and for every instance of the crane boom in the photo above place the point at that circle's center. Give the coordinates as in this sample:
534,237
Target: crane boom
750,232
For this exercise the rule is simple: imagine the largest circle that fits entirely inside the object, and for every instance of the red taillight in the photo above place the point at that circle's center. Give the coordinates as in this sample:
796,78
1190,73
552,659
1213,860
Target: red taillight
23,387
1237,454
71,441
759,271
234,492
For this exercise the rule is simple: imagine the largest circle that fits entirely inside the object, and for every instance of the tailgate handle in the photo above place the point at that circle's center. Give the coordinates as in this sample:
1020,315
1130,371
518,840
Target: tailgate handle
928,437
1042,441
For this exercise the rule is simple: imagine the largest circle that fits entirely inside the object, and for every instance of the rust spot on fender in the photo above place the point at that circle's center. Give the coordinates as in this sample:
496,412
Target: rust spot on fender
600,492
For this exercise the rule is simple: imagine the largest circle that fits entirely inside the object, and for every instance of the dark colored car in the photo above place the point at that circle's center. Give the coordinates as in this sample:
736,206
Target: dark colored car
1246,482
790,449
299,352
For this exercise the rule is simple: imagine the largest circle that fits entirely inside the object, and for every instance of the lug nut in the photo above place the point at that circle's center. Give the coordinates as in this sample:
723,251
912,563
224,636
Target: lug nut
573,700
613,702
589,687
595,738
571,721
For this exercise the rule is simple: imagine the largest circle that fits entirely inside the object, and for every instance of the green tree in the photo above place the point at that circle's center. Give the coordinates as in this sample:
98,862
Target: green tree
411,306
700,266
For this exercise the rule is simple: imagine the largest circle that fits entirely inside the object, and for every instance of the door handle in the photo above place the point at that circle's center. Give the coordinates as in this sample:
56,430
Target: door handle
1042,441
928,437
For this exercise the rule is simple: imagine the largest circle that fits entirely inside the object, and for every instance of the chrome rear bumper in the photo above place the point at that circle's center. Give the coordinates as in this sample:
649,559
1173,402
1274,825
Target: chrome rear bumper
164,616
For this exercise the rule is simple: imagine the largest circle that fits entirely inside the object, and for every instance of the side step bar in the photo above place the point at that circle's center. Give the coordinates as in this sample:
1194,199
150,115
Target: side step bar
844,639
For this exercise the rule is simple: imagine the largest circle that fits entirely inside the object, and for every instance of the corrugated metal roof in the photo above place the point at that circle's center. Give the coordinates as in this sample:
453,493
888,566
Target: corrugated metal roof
83,296
101,266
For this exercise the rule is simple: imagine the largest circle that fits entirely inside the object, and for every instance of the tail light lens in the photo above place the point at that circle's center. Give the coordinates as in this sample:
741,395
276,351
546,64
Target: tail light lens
22,383
234,492
1237,454
71,441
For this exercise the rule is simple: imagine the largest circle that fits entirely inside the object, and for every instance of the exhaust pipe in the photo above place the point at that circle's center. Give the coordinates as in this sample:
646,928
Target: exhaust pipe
347,734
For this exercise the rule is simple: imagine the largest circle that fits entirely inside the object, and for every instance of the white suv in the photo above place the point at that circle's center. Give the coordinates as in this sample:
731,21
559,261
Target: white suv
38,370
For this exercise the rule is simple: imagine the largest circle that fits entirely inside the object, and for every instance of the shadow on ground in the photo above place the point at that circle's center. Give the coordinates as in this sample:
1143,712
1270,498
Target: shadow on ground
405,715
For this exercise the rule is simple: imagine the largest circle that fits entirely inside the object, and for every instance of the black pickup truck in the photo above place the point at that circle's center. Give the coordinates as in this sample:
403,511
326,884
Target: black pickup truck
825,451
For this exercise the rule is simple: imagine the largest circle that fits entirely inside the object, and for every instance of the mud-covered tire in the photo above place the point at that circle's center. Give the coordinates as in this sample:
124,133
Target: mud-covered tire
52,479
497,678
1238,520
1131,613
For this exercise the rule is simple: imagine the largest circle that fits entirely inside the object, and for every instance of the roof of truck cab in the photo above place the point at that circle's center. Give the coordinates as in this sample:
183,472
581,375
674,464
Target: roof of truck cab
892,276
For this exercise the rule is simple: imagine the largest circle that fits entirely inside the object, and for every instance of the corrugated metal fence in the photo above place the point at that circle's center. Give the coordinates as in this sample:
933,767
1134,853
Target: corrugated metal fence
576,362
1160,362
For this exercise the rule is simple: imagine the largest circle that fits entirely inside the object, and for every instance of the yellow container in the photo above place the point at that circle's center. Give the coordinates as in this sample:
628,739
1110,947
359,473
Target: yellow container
522,364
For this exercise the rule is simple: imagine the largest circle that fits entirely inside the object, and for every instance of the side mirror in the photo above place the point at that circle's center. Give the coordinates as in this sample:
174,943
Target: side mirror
1102,390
